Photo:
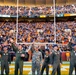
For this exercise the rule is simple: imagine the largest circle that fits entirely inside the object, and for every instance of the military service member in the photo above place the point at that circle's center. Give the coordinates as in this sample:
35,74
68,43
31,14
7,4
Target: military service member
36,60
5,61
72,47
46,63
56,61
20,55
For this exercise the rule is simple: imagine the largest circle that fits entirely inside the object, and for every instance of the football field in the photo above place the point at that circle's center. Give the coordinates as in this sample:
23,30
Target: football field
27,69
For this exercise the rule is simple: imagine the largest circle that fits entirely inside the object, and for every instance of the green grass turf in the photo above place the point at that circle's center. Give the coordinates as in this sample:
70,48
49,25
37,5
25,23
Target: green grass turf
35,74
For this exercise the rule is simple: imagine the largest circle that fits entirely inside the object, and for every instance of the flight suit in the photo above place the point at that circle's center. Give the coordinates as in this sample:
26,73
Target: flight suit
45,65
19,60
72,59
5,61
56,60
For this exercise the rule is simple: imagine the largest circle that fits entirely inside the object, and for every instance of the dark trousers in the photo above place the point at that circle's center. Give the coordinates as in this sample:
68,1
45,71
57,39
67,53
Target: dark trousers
47,69
4,66
72,66
19,65
56,68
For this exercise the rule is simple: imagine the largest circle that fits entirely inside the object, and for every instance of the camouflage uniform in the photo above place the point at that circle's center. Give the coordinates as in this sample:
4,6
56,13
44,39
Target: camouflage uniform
36,61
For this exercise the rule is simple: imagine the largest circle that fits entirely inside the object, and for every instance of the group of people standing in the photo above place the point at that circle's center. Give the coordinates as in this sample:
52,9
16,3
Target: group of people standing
52,58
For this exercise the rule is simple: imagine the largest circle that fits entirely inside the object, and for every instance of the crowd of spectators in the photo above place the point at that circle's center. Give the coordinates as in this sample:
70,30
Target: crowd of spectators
64,30
36,32
66,9
8,10
37,10
40,32
43,32
7,30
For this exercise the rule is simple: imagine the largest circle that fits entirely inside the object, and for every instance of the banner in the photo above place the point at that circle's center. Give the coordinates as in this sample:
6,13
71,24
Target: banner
4,15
